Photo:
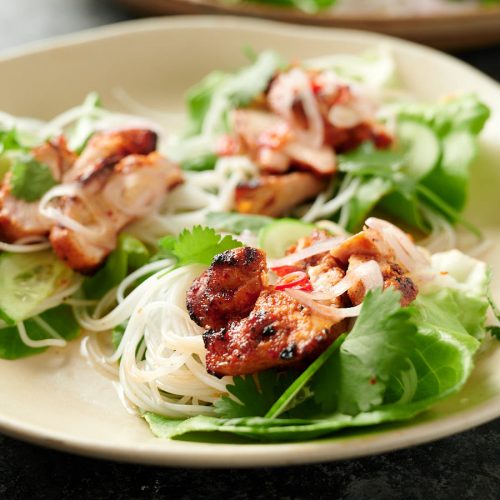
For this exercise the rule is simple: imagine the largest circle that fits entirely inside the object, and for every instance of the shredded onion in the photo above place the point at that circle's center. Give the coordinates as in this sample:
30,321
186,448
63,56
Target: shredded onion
285,91
334,313
405,251
24,247
318,248
368,273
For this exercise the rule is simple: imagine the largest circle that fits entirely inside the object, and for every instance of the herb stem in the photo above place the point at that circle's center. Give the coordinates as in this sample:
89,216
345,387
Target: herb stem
445,208
284,400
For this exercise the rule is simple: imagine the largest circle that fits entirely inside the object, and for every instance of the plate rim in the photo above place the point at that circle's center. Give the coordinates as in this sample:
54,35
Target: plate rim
182,453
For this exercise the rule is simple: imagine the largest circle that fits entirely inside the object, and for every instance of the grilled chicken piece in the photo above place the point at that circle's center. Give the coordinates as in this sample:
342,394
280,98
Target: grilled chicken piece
274,146
19,218
366,242
105,149
108,200
368,245
392,274
251,326
275,195
227,291
278,332
56,155
342,117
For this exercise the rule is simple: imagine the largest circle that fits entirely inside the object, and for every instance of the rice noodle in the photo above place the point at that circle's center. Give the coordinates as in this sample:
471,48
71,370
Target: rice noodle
190,205
322,207
161,353
443,236
36,344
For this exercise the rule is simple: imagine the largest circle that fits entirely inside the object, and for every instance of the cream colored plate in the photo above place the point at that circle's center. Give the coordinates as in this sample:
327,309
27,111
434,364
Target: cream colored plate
56,399
454,28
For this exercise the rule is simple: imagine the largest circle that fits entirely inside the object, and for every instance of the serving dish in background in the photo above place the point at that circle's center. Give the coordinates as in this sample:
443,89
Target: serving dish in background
470,26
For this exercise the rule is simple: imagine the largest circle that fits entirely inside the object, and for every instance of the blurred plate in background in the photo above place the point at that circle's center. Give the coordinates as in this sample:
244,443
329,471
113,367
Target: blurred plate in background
455,29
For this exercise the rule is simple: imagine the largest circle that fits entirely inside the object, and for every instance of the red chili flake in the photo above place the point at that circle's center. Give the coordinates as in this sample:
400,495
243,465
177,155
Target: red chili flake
316,86
227,146
297,280
373,381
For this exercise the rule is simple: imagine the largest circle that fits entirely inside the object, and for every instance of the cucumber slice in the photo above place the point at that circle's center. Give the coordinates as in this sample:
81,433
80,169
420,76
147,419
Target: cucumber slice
26,280
276,237
459,151
421,146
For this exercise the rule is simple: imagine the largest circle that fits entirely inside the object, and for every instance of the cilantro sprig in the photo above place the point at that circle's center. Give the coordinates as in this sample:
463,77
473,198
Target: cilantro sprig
196,246
30,179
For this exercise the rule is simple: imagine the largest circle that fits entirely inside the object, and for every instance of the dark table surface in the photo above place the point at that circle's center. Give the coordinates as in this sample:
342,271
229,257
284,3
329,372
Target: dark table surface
462,466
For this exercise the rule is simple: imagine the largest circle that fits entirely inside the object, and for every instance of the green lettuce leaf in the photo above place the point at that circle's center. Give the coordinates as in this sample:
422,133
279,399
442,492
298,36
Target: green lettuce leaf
130,254
282,429
309,6
369,193
465,112
86,124
199,98
60,318
236,223
457,122
219,92
255,394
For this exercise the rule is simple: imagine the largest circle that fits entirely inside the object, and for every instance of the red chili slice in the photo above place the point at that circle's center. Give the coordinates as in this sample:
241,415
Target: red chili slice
284,270
298,280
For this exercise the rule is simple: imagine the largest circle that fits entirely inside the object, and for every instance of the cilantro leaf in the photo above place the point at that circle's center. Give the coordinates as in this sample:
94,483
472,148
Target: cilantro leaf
282,404
30,180
196,246
377,342
256,394
9,141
